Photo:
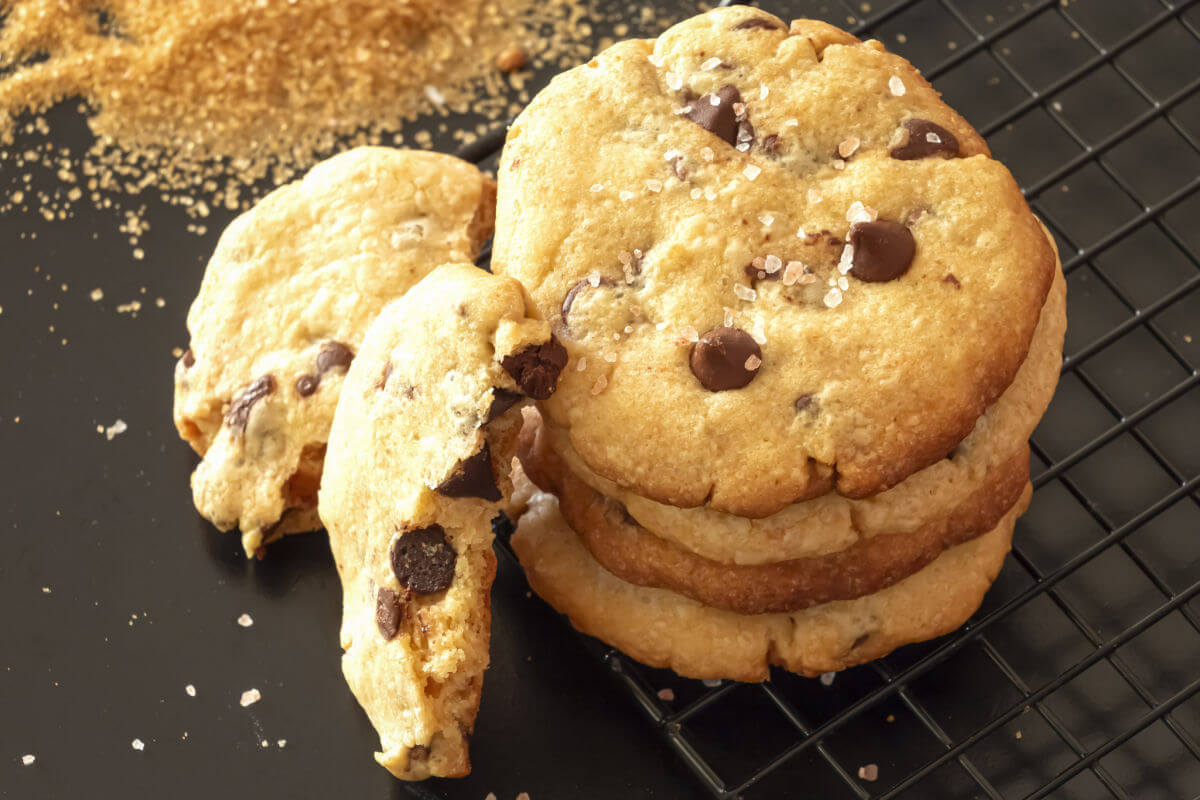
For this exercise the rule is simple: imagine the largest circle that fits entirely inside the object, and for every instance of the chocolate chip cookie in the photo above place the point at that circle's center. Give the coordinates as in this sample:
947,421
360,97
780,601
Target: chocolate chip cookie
779,263
282,309
417,464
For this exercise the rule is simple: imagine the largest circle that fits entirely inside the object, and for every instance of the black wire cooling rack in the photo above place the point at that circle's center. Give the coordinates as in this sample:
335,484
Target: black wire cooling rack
1080,675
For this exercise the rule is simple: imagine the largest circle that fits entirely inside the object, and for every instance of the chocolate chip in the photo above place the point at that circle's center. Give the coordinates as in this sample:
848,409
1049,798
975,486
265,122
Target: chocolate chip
423,560
536,369
239,410
770,144
388,612
720,119
569,298
883,250
805,402
334,355
766,23
472,477
189,358
502,400
307,384
719,359
926,138
678,168
953,281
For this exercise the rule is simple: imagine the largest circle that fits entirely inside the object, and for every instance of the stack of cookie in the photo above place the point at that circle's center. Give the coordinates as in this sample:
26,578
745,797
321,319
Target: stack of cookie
811,325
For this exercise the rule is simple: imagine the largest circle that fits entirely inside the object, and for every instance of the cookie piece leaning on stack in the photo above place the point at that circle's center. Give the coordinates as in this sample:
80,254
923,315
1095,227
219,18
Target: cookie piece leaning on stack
811,326
285,300
418,461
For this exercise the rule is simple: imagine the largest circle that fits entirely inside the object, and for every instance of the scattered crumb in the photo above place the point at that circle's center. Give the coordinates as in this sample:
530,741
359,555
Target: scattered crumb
712,683
891,717
245,620
132,307
523,796
265,744
250,697
190,689
116,429
28,759
490,796
138,744
282,743
512,59
827,678
1018,734
45,590
666,695
869,772
97,295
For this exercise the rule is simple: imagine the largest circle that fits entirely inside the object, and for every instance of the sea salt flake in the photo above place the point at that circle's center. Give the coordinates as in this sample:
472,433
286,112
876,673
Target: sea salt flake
600,385
729,316
582,364
28,759
766,219
597,187
250,697
833,298
772,264
671,155
933,138
792,272
711,63
654,185
660,326
839,164
656,60
714,100
138,744
707,154
688,335
896,86
861,213
814,195
744,293
739,110
190,689
846,261
843,283
116,429
752,171
625,195
593,279
282,743
711,683
763,91
610,357
800,234
435,96
674,82
710,194
848,147
753,363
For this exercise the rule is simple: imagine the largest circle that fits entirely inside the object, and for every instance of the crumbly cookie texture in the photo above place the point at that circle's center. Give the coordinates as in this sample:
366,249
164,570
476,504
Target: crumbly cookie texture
284,303
831,523
416,468
780,264
663,629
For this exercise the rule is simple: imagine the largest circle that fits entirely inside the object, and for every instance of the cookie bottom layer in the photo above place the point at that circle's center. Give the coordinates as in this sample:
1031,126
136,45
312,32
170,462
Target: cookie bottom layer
663,629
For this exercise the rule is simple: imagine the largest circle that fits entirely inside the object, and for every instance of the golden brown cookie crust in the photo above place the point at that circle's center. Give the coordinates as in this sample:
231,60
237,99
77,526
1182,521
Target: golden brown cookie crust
900,371
629,551
663,629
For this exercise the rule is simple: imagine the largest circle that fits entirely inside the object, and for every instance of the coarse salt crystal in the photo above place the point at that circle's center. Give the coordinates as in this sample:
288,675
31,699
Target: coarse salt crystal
833,298
654,185
827,678
707,154
600,385
848,147
896,86
739,110
674,82
245,620
728,319
744,293
281,743
843,283
581,365
860,213
753,363
138,744
671,155
610,357
814,195
190,689
250,697
597,187
711,63
696,193
625,195
766,219
28,759
593,279
689,334
800,234
792,123
710,194
752,171
839,164
933,138
116,429
763,91
714,100
792,272
846,261
772,264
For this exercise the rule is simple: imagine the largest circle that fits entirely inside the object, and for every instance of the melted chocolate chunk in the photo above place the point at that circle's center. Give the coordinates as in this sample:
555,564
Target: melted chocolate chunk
569,298
307,384
334,355
536,369
719,119
719,358
239,410
883,250
423,560
502,400
925,139
765,23
388,613
472,477
805,402
189,358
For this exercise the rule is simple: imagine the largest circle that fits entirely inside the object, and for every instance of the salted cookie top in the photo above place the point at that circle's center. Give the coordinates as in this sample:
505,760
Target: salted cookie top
412,479
779,263
285,301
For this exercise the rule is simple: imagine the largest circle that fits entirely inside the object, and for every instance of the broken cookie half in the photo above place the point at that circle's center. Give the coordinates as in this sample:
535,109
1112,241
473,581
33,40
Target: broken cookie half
416,469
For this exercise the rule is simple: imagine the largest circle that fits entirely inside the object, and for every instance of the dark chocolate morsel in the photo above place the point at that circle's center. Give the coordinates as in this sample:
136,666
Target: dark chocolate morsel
334,355
720,119
423,560
719,359
472,477
926,138
883,250
766,23
502,400
388,612
536,368
189,358
307,384
569,297
239,410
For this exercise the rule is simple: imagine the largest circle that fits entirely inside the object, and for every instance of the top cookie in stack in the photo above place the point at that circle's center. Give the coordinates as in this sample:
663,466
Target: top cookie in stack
810,322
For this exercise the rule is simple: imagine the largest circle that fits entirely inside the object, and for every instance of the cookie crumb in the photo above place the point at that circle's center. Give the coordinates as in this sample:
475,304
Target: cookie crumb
597,187
869,772
848,147
582,364
116,429
250,697
752,171
28,759
711,683
600,385
97,295
282,743
138,744
245,620
45,590
190,689
766,219
711,63
512,59
827,678
896,86
666,695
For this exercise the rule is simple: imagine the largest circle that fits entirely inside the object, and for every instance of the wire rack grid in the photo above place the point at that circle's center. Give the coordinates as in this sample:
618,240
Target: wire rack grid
1080,676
